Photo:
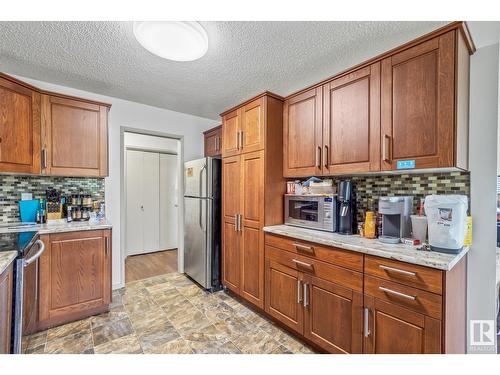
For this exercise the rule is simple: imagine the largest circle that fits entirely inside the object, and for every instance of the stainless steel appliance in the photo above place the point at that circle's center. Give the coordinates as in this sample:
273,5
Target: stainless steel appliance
202,221
25,296
396,221
347,207
312,211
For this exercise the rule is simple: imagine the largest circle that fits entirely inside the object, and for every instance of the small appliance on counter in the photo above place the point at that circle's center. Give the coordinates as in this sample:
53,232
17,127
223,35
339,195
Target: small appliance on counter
396,222
447,222
347,207
312,211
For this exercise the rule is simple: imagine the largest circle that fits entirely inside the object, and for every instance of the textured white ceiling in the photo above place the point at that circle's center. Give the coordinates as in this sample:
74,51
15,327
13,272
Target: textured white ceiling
244,59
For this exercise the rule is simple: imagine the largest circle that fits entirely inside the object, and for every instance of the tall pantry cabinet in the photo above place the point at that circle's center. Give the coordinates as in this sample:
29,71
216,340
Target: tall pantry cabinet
252,191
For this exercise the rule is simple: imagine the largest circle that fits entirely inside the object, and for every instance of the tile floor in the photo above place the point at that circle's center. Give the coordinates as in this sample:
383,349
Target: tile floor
169,314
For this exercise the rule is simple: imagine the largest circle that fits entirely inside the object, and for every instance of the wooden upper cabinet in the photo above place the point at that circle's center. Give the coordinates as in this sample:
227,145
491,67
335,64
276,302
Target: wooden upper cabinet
19,127
231,133
213,141
302,134
252,126
75,137
351,127
75,276
418,105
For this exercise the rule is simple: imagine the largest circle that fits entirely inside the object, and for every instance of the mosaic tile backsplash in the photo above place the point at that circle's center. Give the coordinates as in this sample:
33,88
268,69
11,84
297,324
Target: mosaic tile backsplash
416,185
11,187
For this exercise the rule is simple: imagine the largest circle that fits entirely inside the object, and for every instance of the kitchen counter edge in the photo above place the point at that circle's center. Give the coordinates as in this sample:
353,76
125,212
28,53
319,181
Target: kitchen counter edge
61,227
6,258
399,252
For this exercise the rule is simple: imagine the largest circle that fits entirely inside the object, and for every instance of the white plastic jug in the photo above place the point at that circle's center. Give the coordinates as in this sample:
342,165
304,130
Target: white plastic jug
447,222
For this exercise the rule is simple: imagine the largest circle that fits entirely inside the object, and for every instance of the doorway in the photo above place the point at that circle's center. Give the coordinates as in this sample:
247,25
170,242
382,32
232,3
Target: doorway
151,191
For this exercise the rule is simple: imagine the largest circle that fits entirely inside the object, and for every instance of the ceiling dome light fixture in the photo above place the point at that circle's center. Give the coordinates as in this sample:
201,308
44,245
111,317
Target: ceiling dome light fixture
172,40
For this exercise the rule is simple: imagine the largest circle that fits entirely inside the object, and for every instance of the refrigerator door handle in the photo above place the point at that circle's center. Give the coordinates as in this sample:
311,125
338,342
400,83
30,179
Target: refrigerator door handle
200,182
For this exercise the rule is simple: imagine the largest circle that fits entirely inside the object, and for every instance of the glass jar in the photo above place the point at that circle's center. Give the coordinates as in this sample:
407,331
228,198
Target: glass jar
370,225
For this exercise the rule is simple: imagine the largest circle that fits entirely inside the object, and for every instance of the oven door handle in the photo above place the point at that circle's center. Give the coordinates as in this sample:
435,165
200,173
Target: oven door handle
40,243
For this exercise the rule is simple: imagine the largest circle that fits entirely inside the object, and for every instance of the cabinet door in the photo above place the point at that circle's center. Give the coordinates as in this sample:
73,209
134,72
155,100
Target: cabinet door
231,187
75,276
351,128
74,137
252,126
417,105
302,134
284,295
396,330
333,316
252,211
231,259
5,309
213,142
231,126
19,128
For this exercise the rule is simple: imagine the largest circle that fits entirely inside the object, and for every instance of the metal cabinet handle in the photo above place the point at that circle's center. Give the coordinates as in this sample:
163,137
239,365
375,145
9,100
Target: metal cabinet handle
40,251
106,246
366,326
237,140
386,149
399,294
44,158
308,249
387,268
302,263
241,141
318,157
325,156
306,294
299,287
235,222
239,222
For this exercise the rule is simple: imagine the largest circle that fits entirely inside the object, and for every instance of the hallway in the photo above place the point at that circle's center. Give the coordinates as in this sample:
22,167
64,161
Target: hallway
139,267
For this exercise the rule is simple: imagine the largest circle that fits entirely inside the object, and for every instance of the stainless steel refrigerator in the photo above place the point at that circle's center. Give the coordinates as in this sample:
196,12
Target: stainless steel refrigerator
202,221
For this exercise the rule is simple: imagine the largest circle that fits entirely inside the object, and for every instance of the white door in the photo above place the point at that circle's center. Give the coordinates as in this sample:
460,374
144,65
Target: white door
150,202
169,190
134,235
143,207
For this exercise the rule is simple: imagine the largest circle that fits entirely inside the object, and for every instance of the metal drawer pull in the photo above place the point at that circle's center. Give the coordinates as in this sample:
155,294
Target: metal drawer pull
302,263
407,296
397,270
309,249
366,329
306,296
299,298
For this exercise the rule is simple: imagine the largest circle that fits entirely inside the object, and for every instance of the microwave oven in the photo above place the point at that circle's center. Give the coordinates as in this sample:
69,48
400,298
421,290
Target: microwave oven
312,211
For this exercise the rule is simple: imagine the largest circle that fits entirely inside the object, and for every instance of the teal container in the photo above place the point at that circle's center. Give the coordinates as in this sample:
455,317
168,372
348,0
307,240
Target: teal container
27,210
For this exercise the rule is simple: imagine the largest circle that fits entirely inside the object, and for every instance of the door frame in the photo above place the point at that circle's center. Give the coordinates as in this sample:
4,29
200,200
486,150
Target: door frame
123,201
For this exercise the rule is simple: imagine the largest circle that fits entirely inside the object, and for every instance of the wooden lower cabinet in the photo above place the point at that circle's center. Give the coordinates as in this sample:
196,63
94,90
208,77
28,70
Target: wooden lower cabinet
6,280
327,314
333,316
75,276
395,330
367,305
283,295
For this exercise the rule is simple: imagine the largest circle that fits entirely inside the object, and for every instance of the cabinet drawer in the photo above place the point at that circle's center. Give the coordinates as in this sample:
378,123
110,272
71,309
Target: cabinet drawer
337,275
338,257
415,299
409,274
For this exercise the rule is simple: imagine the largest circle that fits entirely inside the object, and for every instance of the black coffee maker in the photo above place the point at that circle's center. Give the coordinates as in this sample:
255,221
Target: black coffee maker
347,207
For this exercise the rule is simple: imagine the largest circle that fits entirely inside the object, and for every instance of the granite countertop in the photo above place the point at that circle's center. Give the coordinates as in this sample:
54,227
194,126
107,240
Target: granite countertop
56,226
360,244
6,258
